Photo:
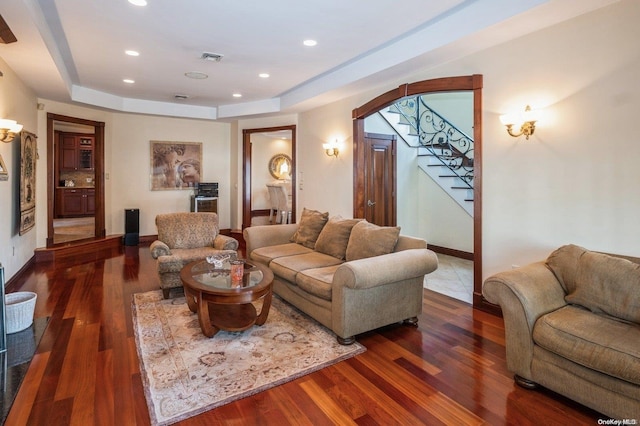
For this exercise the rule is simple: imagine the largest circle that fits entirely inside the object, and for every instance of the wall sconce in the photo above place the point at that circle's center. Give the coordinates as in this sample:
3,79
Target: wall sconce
9,129
526,121
331,149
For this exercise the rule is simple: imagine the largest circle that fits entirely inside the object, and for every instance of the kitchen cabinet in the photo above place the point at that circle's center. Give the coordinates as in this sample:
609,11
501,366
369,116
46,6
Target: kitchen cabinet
76,152
75,202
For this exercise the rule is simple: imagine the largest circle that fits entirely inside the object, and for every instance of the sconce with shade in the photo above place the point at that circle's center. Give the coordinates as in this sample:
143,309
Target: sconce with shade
332,149
526,120
9,129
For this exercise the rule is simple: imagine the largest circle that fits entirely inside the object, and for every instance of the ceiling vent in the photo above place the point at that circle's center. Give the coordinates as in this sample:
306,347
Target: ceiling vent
181,97
213,57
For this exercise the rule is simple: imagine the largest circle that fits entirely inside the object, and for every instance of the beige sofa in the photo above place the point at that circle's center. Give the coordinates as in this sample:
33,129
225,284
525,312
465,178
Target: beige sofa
185,237
572,325
349,275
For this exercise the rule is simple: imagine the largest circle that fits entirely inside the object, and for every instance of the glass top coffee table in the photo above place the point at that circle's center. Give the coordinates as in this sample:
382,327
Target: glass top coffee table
225,304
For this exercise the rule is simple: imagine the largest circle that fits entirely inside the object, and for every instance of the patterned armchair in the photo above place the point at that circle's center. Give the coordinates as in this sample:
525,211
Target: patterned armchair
183,238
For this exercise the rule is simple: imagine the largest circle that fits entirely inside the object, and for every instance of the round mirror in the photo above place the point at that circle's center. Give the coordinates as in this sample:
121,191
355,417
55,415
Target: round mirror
280,166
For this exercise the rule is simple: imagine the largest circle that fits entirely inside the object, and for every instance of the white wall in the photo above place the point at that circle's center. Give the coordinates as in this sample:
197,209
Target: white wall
128,164
17,102
442,222
574,181
130,150
326,183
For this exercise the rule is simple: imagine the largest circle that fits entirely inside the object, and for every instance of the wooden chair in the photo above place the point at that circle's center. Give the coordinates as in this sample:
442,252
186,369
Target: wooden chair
279,202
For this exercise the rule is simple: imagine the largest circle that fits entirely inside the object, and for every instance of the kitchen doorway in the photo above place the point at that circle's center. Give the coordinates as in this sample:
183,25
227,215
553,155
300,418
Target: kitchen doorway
75,179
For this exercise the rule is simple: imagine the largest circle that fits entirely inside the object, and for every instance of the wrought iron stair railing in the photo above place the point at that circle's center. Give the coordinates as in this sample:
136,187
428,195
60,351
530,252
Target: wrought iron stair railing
447,144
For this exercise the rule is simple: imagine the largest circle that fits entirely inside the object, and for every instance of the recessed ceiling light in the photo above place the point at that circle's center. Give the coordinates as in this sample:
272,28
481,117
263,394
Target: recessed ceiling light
237,95
138,2
310,43
263,75
197,75
132,53
128,80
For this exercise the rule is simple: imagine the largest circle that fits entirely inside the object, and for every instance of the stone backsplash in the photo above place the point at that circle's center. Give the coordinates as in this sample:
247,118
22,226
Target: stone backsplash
81,179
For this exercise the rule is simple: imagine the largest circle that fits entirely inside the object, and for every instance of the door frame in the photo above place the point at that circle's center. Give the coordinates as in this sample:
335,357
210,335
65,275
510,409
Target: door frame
98,127
472,83
246,170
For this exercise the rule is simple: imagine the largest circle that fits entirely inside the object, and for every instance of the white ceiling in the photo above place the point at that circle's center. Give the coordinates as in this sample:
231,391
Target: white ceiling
73,50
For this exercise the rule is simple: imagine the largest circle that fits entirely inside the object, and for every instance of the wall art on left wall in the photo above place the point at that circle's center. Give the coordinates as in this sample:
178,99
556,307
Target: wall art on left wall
28,156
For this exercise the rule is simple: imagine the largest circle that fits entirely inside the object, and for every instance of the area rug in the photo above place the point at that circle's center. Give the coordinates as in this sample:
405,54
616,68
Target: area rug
185,373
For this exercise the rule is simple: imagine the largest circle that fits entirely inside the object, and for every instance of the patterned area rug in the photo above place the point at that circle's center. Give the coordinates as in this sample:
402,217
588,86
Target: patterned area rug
185,373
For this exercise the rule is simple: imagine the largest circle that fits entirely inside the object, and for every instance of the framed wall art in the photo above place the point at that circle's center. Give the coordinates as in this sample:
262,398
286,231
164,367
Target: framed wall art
4,173
175,165
28,156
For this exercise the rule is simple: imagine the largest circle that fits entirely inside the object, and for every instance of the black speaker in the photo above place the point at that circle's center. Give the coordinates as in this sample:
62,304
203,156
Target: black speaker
131,227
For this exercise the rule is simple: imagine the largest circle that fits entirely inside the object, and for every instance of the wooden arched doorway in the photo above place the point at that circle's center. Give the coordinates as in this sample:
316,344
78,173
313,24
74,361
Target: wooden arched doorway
449,84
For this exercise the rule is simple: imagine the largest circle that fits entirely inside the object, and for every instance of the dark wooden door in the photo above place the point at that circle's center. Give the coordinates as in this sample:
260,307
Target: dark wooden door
380,179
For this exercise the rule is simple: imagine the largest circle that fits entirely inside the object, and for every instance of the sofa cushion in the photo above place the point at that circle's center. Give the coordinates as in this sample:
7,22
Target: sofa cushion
599,282
334,237
289,266
598,342
180,257
267,254
310,226
369,240
317,281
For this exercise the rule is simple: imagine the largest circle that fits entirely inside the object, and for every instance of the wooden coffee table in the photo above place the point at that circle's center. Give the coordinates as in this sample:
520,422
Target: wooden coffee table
222,304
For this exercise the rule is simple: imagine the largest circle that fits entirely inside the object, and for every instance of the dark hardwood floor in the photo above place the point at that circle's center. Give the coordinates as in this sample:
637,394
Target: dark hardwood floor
449,370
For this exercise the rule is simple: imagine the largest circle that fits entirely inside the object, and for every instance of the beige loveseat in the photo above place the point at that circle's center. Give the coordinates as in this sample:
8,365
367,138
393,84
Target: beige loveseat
572,325
349,275
183,238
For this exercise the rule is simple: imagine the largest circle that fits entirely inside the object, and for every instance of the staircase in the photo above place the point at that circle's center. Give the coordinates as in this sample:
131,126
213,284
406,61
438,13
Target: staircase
444,152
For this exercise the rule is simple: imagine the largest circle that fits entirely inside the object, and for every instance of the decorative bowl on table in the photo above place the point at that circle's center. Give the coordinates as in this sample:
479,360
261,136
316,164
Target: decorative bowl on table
218,260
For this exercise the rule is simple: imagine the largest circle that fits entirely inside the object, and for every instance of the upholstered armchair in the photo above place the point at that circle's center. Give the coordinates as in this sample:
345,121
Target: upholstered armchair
183,238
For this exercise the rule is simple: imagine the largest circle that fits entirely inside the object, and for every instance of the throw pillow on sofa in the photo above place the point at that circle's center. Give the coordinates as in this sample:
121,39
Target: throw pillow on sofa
369,240
309,228
334,237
